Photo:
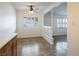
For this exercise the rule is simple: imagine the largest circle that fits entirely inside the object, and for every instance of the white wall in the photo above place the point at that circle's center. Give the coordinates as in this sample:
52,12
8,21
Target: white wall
73,29
24,32
7,18
47,27
47,34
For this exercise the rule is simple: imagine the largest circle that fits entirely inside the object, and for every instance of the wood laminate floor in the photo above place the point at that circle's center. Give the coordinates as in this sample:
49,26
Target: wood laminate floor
40,47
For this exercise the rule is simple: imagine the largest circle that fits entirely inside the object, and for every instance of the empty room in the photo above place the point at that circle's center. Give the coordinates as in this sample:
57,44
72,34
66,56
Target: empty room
39,29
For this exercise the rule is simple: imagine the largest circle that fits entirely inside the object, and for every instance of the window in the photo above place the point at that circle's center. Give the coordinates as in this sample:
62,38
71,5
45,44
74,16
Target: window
30,22
62,23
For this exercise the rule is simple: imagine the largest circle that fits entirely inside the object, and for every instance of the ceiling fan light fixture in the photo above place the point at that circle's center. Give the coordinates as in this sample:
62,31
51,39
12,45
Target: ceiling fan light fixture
31,12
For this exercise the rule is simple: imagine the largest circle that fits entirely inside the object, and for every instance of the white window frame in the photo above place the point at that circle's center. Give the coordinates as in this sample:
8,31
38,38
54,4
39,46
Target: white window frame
30,22
61,22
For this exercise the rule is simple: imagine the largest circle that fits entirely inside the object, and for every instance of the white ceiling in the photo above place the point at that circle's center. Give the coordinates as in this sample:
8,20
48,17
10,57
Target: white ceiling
41,6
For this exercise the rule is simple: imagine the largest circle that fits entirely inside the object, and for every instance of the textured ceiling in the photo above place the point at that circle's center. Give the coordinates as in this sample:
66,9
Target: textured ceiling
41,6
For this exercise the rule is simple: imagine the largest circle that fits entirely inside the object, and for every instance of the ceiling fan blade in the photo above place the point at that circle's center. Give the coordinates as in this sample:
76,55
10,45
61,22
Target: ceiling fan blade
36,8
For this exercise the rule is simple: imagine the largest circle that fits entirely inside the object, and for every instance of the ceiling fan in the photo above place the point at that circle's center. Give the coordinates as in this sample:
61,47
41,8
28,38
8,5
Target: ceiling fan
31,9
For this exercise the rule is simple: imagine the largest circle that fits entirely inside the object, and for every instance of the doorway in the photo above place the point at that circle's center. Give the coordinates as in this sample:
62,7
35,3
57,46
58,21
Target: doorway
60,28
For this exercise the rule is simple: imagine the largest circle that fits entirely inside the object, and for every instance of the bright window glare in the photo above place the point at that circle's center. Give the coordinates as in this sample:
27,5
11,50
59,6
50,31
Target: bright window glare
30,22
61,23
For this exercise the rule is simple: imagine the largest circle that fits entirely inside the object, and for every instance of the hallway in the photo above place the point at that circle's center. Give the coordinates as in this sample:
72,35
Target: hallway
40,47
